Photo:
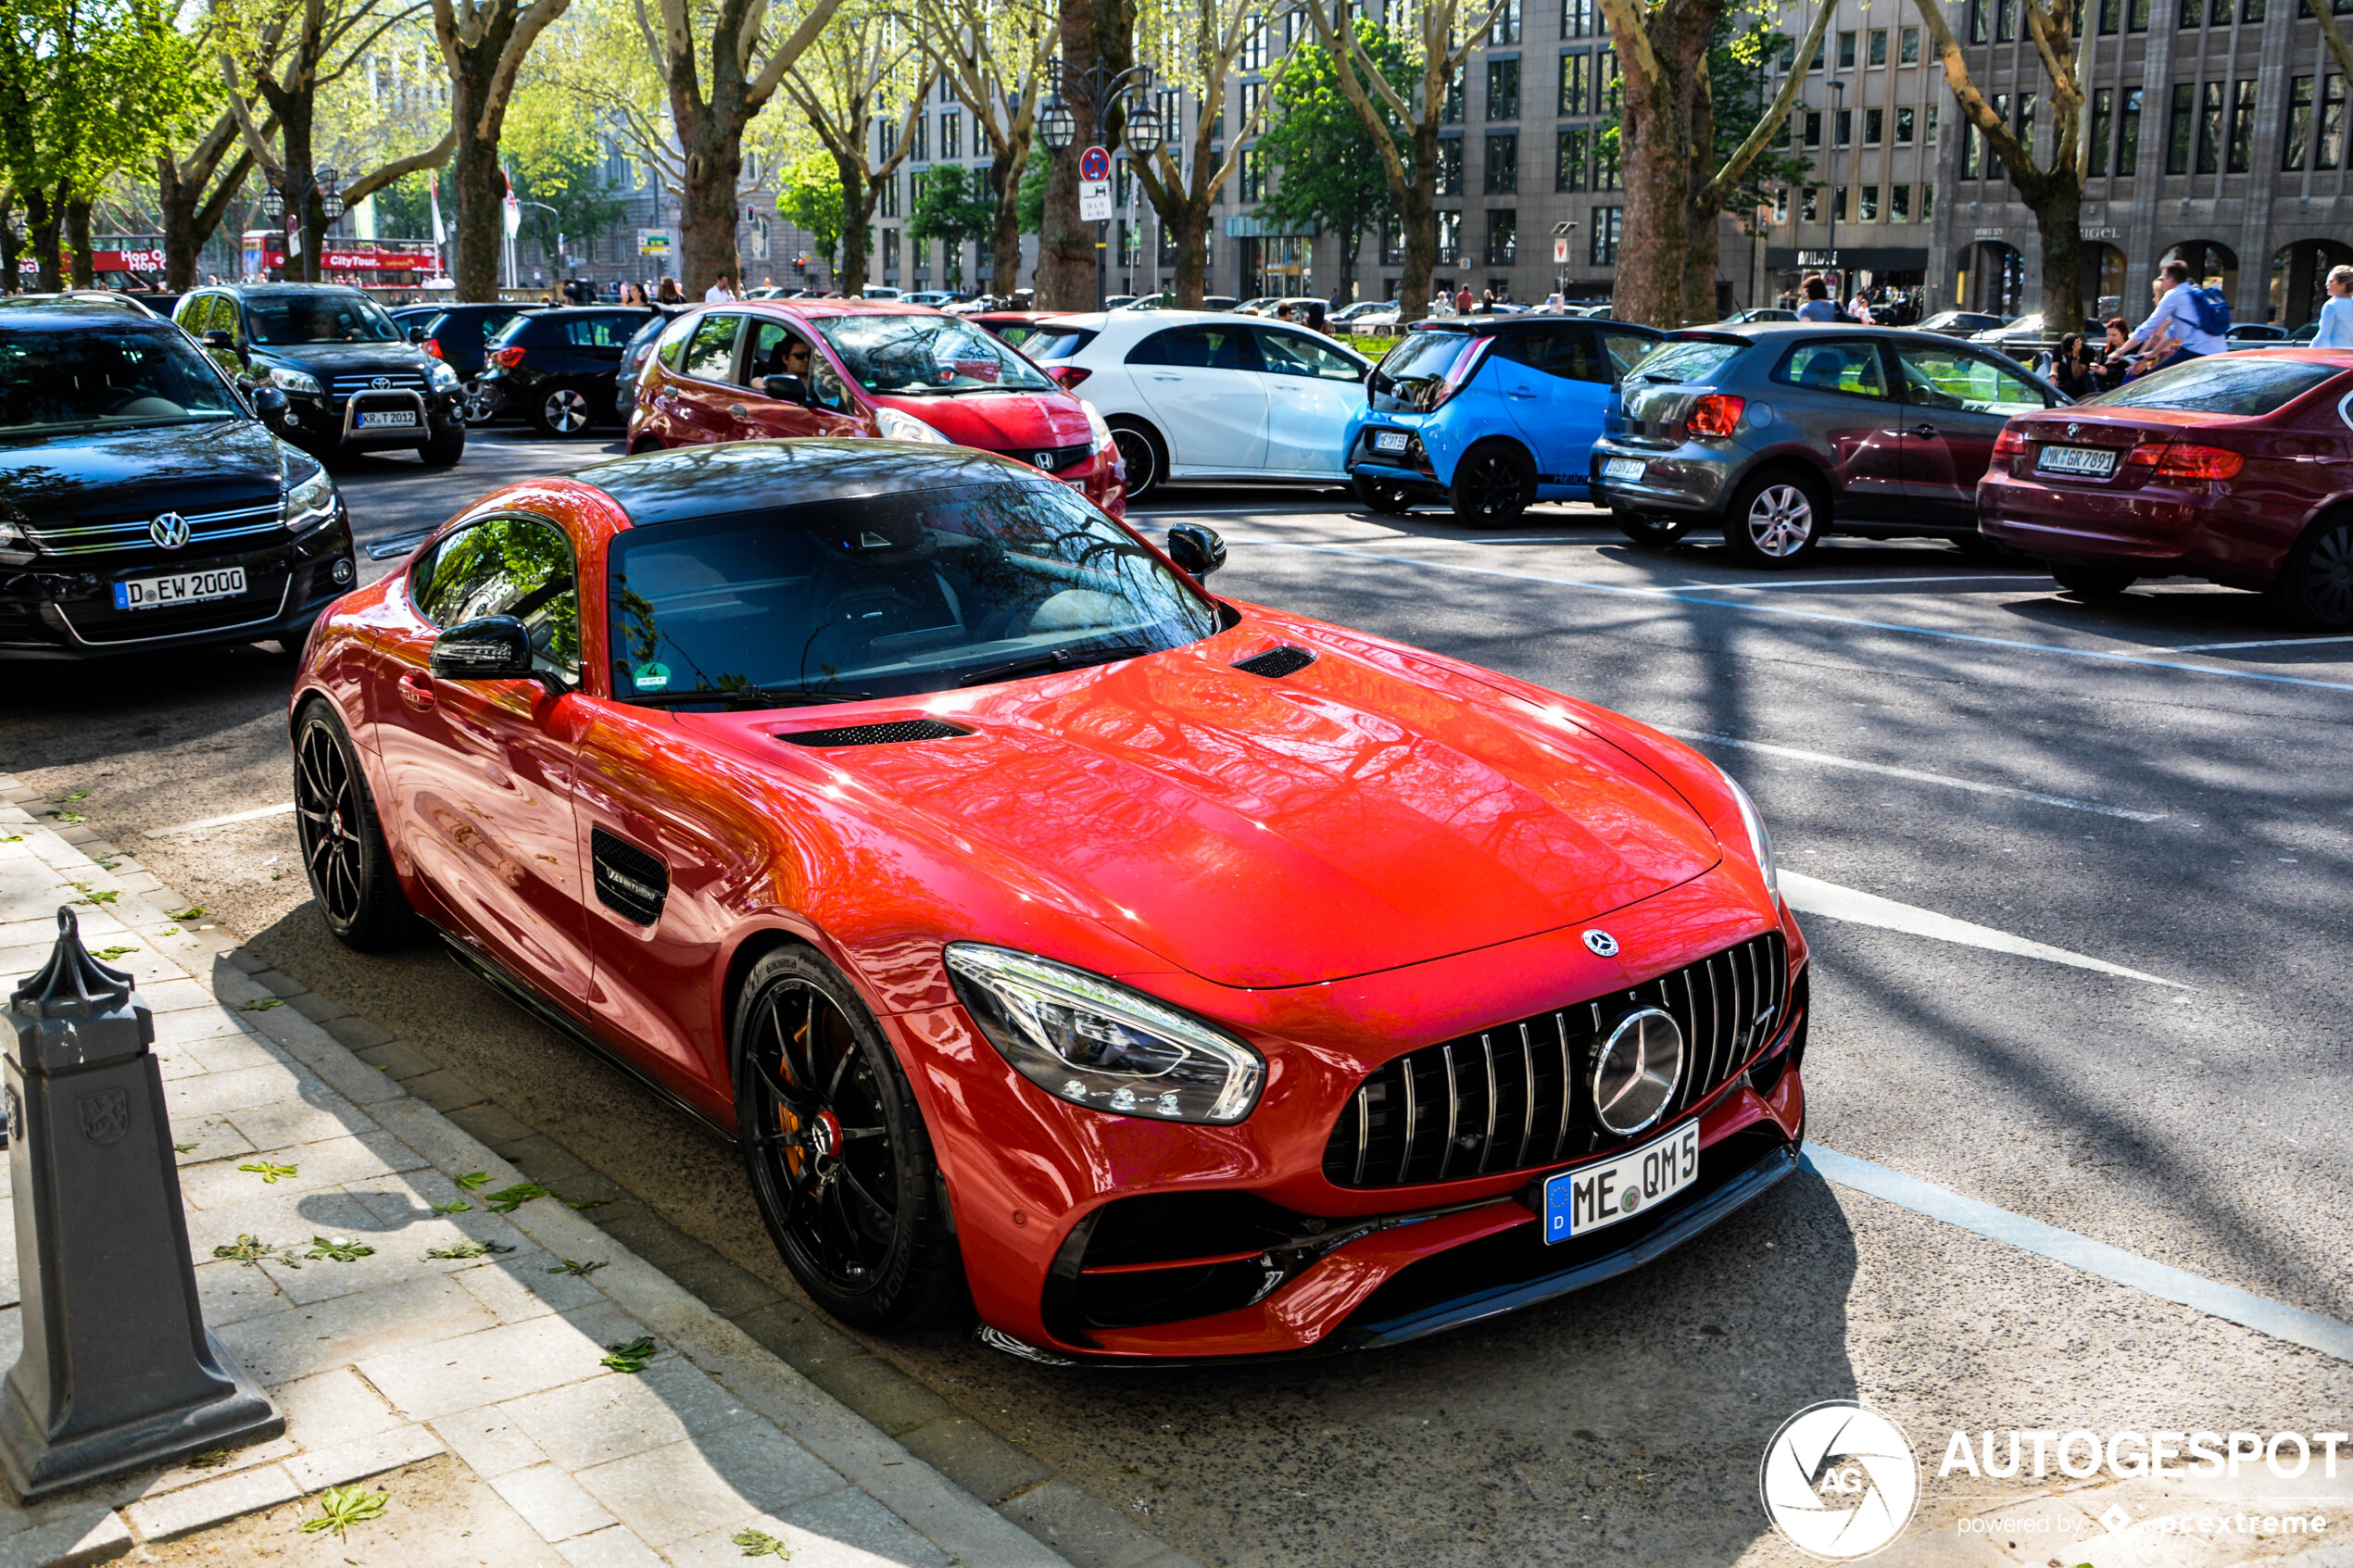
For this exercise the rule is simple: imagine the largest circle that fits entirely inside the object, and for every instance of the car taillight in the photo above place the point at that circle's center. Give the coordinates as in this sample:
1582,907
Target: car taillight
507,359
1069,375
2184,460
2009,444
433,346
1714,413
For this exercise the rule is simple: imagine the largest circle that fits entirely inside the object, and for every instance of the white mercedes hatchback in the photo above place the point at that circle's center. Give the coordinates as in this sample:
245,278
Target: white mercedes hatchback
1200,395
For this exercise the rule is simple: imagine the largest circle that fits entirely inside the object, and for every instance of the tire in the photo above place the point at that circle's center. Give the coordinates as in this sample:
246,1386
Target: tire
1776,519
478,403
1381,496
446,446
560,409
2092,582
343,842
1493,484
1143,455
1656,533
2315,587
840,1161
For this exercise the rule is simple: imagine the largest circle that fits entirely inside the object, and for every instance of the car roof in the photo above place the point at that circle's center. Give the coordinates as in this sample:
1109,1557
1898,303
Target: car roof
62,312
263,291
1526,321
1774,332
716,480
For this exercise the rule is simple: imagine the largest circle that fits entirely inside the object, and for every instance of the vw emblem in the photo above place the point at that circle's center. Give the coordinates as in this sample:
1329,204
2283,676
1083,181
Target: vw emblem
169,530
1637,1071
1601,944
1042,460
381,383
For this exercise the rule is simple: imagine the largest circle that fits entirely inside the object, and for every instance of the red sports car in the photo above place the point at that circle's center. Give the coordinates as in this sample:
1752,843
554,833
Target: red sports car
1177,977
766,369
2235,467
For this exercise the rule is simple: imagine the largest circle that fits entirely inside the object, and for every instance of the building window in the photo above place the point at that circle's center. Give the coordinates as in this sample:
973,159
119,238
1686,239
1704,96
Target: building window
2252,11
951,135
2136,15
1253,55
1874,121
1503,163
1392,242
1605,170
891,252
2297,145
1844,120
2209,128
1453,114
1503,235
2128,133
2005,20
919,143
2180,126
1253,175
1503,89
2193,12
2242,125
1972,153
2103,117
1977,21
1813,128
1569,172
1846,51
1780,205
2218,13
1575,93
1809,205
2329,151
888,207
1904,128
1576,19
1252,94
1506,28
1928,202
1899,204
2111,15
1449,239
1877,54
1866,203
1930,136
1907,46
1450,166
1609,227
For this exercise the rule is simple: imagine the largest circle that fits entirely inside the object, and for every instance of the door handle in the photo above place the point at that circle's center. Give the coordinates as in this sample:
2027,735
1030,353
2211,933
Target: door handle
1167,378
417,691
1922,430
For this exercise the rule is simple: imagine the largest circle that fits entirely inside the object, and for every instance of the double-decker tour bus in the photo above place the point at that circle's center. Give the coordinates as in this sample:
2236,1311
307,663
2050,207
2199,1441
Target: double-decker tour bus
382,265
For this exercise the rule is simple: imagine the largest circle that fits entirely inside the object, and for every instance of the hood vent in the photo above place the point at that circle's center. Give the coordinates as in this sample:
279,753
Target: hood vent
1278,662
876,734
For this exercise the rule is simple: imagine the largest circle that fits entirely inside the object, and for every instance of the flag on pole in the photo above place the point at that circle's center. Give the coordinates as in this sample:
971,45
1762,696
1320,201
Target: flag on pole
514,206
433,185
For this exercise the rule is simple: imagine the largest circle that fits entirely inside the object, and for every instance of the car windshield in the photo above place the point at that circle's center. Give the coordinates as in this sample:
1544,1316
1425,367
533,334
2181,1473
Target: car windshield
926,356
2245,385
886,595
1684,360
106,378
322,317
1409,378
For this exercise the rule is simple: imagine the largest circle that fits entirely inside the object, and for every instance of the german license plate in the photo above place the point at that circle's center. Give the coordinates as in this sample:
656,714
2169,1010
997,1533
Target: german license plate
1388,441
2097,462
1623,467
389,419
188,587
1594,1197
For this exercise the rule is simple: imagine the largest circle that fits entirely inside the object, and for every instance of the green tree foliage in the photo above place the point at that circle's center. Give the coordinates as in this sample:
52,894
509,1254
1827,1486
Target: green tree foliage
955,205
1331,167
808,194
1032,189
1738,48
557,167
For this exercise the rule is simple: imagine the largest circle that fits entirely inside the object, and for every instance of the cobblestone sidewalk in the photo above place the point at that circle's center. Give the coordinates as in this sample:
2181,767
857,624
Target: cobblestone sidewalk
408,1296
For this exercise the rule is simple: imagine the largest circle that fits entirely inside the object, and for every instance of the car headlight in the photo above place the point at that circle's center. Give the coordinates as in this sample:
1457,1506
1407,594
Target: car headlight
294,380
895,426
440,377
1758,839
1095,426
1095,1043
308,503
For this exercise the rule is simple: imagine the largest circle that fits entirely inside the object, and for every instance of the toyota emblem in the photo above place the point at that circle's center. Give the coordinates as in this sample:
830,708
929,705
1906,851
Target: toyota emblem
381,383
169,530
1601,944
1042,460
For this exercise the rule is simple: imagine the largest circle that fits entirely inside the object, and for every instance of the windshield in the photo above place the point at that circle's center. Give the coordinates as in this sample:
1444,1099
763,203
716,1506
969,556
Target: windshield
1048,341
886,596
2245,384
927,356
1412,376
78,380
324,316
1685,359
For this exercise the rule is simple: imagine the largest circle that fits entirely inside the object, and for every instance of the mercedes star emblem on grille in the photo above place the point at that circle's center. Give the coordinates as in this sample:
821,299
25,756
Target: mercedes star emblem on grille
1636,1071
169,530
381,383
1043,460
1601,944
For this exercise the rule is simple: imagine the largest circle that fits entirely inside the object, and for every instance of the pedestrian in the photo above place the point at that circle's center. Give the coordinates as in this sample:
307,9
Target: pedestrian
1337,303
668,294
1486,303
632,294
2073,370
1818,305
1317,317
1860,309
722,290
2336,315
2175,330
1463,300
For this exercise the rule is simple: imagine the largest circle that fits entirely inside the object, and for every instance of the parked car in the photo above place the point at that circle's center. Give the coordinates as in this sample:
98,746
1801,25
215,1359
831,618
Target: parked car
767,369
459,336
1959,323
1488,413
2252,334
2027,337
1219,302
634,356
1781,434
1047,933
1758,313
1015,327
560,368
1367,313
1196,394
351,379
1258,306
875,291
144,502
2306,332
2233,467
930,299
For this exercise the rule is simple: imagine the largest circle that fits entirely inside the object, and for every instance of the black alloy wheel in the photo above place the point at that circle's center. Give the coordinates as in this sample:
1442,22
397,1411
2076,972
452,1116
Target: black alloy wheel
1140,456
1383,495
1493,484
2315,588
1654,532
479,402
342,847
838,1156
558,408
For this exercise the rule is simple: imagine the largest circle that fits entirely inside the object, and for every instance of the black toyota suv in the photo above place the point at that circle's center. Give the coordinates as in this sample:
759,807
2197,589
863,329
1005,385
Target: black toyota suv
143,503
352,380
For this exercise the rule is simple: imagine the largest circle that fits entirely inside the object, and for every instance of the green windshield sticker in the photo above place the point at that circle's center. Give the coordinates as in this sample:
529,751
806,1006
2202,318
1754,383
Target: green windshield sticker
651,677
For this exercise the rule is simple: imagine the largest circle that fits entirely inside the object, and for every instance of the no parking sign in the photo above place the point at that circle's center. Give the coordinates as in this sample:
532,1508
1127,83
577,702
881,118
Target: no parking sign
1094,185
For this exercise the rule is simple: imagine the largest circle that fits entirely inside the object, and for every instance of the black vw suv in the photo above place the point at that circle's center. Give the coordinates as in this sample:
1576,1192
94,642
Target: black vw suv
352,380
143,503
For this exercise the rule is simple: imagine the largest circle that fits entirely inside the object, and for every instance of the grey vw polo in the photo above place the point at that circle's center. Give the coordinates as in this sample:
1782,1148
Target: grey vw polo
1781,432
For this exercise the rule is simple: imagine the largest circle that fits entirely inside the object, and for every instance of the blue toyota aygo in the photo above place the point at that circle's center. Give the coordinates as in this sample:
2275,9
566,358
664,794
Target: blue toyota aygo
1489,415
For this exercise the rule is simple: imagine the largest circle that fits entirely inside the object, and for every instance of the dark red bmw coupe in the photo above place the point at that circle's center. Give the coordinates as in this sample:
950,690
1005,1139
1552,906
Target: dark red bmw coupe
1175,976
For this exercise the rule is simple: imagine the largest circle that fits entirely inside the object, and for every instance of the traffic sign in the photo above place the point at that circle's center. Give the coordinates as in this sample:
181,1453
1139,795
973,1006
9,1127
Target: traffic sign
1094,165
1560,253
1094,201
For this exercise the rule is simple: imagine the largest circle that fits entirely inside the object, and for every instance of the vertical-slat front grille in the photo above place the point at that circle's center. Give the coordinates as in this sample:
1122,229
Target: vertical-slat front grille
1515,1096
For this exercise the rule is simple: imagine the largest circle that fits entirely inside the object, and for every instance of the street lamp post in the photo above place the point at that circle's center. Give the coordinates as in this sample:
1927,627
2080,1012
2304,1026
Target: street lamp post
289,201
1837,281
1103,91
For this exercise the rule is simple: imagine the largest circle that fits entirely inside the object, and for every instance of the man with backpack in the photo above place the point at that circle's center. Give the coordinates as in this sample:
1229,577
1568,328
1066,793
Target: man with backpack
2189,321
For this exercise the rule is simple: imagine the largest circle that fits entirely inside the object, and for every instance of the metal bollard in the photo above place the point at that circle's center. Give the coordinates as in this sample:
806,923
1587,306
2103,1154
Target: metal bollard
119,1371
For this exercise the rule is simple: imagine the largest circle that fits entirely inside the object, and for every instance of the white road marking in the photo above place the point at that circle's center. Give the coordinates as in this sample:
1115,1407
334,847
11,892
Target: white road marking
283,810
1865,581
1825,759
1684,595
2261,643
1809,895
2216,1300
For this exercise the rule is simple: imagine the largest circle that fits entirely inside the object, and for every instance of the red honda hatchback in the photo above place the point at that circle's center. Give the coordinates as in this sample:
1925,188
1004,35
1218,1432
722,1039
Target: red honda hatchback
2236,467
758,369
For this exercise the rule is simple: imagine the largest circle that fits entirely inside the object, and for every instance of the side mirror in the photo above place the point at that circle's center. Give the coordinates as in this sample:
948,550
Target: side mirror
416,334
219,338
785,389
269,402
1198,549
494,647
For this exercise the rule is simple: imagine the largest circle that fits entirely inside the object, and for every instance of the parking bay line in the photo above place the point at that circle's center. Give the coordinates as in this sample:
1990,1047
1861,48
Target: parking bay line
284,809
1825,759
1684,595
1810,895
2247,1310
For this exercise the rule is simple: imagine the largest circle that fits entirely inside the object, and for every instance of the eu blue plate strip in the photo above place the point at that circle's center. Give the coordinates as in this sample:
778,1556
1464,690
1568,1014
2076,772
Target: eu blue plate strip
2260,1313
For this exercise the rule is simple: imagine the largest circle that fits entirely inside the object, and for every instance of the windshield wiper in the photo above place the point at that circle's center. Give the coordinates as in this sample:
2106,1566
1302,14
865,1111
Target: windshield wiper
1059,659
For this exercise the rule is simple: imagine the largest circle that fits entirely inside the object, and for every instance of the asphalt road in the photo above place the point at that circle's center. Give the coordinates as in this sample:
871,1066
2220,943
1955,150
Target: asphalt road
1948,735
